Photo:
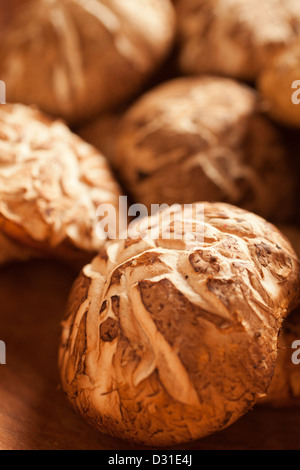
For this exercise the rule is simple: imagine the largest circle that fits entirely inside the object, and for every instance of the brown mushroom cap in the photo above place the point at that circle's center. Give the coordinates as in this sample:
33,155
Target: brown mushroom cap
51,183
205,139
234,37
166,341
78,58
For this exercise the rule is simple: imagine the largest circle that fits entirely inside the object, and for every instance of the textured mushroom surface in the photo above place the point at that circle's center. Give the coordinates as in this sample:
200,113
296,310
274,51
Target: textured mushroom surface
234,37
166,341
285,386
77,58
205,139
280,86
51,183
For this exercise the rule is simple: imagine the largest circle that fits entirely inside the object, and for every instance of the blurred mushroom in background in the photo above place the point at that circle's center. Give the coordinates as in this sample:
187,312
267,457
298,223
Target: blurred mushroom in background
234,37
206,139
76,59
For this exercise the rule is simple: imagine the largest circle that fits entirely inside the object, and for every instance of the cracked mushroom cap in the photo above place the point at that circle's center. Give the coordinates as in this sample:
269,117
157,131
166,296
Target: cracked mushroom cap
234,37
279,85
77,58
205,138
166,340
51,183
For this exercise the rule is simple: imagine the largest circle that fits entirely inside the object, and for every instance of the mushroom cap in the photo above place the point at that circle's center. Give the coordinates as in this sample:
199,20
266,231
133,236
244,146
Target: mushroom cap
169,339
51,183
78,58
205,138
234,37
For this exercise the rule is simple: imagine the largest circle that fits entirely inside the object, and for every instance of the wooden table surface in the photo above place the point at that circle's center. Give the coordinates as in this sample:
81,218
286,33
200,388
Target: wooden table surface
34,413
